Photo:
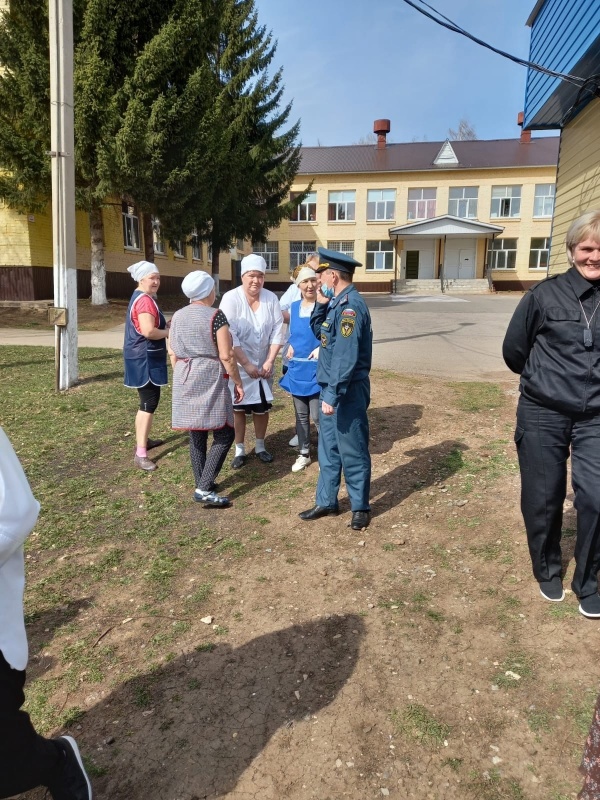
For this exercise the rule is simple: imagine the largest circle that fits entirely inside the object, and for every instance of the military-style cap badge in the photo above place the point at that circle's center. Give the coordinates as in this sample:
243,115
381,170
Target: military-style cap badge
332,259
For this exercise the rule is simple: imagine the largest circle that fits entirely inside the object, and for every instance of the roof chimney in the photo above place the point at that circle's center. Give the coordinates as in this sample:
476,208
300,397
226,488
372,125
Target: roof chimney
525,135
381,127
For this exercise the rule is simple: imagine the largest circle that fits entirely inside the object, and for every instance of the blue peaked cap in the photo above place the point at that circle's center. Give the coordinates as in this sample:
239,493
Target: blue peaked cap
332,259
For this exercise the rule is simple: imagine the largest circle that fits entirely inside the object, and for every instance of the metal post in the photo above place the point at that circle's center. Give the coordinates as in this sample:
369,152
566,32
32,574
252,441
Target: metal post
63,187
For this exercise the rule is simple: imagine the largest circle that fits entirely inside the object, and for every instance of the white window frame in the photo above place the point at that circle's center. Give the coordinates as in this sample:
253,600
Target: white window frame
270,252
131,227
543,202
506,202
180,248
346,247
158,243
422,202
379,260
341,206
381,205
307,210
196,247
500,257
462,205
539,254
299,252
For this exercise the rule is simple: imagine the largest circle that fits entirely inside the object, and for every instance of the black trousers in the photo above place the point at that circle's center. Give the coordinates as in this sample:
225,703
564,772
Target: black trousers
27,759
207,467
544,439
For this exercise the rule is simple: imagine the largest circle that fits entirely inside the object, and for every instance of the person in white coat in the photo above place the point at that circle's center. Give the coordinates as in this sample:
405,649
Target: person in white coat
256,326
27,760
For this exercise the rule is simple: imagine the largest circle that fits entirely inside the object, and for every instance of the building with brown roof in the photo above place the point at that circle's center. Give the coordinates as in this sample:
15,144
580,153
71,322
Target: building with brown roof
441,211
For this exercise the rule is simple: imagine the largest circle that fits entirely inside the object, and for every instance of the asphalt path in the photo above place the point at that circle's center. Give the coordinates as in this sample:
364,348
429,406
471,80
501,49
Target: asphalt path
443,336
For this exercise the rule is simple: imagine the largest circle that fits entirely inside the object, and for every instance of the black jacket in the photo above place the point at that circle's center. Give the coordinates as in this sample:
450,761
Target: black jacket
544,343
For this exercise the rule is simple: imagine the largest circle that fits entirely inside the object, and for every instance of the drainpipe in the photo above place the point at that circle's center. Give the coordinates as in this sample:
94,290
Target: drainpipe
441,265
395,267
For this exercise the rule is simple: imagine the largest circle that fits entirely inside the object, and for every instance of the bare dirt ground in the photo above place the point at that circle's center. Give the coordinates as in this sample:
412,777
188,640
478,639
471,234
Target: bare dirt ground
262,657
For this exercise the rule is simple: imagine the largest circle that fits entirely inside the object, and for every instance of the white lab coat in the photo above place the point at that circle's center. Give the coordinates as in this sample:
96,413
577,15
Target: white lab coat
18,514
255,333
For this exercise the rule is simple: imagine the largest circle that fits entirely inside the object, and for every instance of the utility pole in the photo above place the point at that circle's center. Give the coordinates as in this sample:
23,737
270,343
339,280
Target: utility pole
62,152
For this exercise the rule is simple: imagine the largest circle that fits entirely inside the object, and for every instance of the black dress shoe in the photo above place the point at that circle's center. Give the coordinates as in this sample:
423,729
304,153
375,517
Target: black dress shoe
265,457
360,520
316,512
239,461
152,443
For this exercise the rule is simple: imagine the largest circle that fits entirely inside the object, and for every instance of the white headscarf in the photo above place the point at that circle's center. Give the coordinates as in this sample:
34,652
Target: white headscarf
305,272
197,285
253,262
141,269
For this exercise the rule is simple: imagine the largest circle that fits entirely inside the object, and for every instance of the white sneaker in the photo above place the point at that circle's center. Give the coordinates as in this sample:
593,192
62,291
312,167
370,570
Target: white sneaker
301,463
293,441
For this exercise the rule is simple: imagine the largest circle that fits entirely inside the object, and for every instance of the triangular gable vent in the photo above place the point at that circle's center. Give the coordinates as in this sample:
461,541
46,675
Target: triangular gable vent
446,156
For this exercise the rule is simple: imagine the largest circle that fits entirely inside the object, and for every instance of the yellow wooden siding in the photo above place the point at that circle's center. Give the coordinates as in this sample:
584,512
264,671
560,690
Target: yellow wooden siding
578,184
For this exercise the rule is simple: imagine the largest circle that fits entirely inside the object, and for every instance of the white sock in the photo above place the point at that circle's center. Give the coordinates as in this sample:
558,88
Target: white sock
240,449
259,447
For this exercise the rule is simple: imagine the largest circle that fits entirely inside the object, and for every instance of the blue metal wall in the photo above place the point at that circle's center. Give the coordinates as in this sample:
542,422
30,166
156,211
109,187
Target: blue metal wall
562,35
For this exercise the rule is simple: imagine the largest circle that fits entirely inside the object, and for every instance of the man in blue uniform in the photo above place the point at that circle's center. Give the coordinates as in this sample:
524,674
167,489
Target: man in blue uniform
342,323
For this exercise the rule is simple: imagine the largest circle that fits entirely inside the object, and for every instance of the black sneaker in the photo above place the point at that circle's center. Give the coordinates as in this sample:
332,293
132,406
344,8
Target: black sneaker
72,782
239,461
552,589
590,606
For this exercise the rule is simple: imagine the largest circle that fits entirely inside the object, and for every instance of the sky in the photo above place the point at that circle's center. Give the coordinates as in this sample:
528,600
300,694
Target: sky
347,63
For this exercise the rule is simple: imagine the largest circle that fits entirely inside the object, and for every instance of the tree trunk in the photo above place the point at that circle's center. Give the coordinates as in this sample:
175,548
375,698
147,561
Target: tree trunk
215,263
98,267
148,237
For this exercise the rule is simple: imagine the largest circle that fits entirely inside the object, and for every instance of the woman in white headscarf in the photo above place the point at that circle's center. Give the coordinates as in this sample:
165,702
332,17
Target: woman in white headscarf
256,326
203,360
145,355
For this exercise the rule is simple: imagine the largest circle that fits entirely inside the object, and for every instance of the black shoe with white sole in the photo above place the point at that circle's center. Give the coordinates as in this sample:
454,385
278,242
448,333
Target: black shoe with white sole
552,590
590,606
72,782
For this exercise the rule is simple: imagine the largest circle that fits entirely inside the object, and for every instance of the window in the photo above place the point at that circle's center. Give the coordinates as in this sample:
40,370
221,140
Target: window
196,247
502,254
157,239
421,203
179,248
381,204
240,244
341,206
463,202
299,252
506,201
539,253
543,204
307,210
270,252
342,247
209,252
131,226
380,255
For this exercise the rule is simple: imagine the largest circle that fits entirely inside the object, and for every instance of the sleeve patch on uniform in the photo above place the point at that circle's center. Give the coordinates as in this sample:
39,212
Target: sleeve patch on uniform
323,340
347,326
348,312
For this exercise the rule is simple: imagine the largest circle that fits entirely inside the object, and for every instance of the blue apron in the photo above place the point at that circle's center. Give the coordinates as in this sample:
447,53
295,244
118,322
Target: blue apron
301,376
145,359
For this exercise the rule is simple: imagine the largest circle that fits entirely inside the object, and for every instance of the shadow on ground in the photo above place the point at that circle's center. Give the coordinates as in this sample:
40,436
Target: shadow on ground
190,728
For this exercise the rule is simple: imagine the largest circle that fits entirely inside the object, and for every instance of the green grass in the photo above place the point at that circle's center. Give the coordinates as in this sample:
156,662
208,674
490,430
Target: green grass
474,397
418,723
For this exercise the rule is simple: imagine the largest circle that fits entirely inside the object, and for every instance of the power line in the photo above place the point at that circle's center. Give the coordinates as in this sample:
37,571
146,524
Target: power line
445,22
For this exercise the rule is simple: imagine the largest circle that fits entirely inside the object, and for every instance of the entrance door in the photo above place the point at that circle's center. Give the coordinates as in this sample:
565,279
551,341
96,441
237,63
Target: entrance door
412,264
466,264
459,259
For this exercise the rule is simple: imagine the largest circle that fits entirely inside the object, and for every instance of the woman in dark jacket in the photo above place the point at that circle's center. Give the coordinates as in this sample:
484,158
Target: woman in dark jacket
145,354
553,342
